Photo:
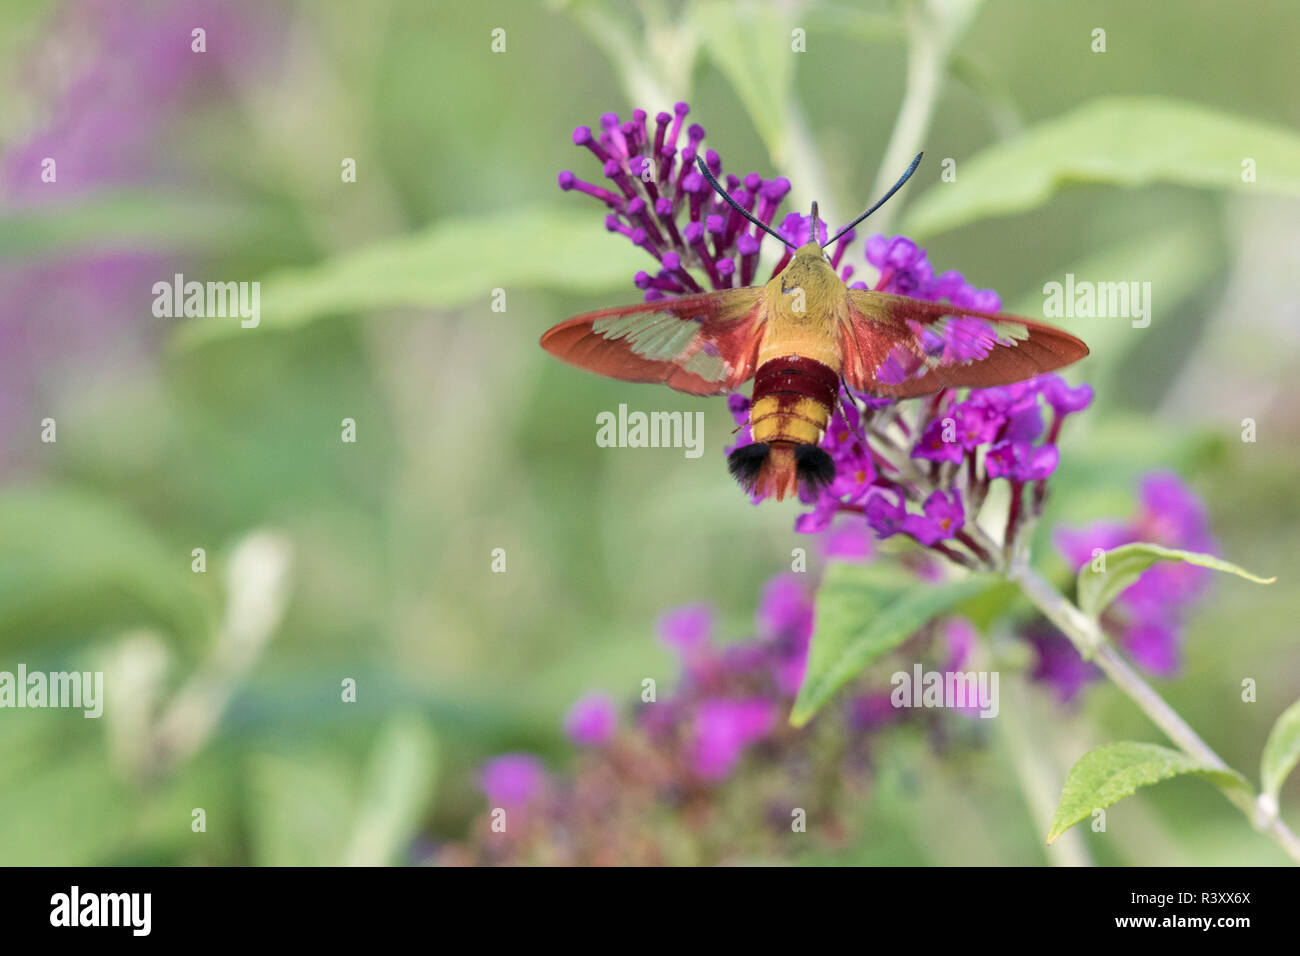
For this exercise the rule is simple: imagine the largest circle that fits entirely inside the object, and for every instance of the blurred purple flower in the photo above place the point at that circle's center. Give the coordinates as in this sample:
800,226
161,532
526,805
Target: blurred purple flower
138,67
104,79
512,780
850,541
723,729
1058,664
591,721
687,629
785,620
959,637
1148,616
872,710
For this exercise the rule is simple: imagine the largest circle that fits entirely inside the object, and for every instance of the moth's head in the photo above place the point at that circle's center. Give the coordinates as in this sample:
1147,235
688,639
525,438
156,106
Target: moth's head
811,251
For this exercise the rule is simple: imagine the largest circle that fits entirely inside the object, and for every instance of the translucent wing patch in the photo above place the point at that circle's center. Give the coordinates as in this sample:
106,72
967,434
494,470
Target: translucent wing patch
902,347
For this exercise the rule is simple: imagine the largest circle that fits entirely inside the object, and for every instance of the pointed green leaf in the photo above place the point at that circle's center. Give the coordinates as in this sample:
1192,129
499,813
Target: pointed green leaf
1281,752
1125,564
1112,772
864,611
1181,143
452,263
397,792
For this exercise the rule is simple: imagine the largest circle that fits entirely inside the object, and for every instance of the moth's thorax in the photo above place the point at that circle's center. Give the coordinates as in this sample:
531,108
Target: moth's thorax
805,305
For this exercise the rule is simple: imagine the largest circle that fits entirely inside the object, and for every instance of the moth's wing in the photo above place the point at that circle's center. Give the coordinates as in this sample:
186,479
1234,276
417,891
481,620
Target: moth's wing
902,347
703,344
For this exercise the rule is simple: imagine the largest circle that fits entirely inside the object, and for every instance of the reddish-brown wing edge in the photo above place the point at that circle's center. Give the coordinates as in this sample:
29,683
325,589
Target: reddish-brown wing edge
874,326
729,320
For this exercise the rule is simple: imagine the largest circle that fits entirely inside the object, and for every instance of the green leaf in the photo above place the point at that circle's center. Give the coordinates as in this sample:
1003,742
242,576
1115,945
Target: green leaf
1112,772
142,220
1123,566
300,803
72,566
397,792
863,611
296,807
1175,257
753,52
1122,141
1281,752
452,263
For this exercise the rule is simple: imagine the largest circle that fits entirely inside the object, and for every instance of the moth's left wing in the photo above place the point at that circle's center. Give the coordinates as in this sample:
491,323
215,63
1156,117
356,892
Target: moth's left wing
902,347
703,344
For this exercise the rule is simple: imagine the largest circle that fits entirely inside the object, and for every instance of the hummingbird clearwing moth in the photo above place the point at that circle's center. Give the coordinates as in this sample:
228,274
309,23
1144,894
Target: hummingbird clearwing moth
798,337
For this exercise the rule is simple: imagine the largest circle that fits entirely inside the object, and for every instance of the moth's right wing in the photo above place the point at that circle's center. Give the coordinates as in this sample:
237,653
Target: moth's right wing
703,344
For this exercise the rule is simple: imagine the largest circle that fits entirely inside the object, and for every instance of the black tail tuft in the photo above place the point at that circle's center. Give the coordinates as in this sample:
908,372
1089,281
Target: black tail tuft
815,468
745,462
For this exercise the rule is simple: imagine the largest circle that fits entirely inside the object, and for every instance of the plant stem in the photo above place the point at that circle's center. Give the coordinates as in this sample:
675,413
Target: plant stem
1086,635
933,28
1035,773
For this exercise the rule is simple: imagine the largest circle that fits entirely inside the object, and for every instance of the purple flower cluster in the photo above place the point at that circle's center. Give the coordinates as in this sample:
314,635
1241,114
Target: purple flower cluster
942,460
657,198
732,697
104,81
640,792
1148,617
923,476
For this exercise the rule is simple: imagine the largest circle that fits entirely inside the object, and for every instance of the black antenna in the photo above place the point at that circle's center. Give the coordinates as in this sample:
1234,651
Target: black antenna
812,230
739,208
883,199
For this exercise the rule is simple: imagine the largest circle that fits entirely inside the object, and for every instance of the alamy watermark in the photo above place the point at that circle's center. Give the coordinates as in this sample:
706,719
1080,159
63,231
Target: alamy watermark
216,300
83,689
651,430
1098,300
75,908
959,690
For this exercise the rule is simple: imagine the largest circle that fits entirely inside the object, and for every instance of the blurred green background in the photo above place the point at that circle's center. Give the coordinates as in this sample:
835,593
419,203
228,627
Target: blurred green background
176,434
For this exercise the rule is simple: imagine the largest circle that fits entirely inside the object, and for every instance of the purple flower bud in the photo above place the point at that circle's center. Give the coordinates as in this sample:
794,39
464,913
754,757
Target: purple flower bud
940,441
885,517
1020,461
1063,399
944,516
819,519
975,425
854,475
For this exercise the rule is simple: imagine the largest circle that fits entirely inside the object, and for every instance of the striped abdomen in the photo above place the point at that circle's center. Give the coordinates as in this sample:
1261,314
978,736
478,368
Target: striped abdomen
793,398
791,406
